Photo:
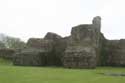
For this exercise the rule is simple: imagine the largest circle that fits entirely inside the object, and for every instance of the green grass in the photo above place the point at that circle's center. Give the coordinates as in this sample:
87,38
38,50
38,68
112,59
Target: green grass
5,62
20,74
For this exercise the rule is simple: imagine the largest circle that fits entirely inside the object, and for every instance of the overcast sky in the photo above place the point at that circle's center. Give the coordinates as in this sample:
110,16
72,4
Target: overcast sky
34,18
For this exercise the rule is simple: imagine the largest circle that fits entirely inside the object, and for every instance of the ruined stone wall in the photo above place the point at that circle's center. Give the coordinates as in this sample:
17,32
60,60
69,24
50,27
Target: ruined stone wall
45,52
86,47
80,50
35,54
30,57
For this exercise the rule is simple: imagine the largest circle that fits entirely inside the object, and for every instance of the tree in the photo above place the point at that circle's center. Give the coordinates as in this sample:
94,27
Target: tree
14,43
2,45
11,42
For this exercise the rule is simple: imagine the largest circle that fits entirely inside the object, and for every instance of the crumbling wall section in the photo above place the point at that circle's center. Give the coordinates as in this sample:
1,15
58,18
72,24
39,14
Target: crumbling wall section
83,46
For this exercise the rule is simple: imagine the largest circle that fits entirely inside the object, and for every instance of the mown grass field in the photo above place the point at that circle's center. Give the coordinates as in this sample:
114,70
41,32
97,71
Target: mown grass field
20,74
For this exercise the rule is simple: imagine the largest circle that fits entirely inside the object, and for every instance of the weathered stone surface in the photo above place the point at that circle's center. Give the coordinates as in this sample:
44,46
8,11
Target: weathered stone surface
83,35
40,43
79,57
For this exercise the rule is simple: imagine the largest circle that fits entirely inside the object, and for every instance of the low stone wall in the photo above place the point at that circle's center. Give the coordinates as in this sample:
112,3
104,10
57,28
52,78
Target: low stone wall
30,57
7,53
115,50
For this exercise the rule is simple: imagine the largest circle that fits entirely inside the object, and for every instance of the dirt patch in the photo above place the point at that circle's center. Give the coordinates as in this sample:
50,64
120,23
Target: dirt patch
113,74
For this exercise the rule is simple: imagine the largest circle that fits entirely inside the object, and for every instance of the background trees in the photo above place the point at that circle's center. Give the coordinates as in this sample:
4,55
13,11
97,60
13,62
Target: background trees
11,42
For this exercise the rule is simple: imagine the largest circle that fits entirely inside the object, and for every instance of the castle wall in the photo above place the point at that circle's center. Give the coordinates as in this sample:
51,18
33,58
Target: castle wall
30,57
115,50
86,47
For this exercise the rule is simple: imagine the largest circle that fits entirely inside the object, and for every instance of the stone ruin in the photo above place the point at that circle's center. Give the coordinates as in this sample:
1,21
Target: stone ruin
86,47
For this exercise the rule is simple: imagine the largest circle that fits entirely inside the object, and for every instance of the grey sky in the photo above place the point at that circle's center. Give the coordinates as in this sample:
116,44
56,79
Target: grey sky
34,18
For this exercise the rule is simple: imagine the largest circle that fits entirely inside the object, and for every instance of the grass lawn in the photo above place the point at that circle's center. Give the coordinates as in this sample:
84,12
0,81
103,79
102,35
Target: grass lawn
20,74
